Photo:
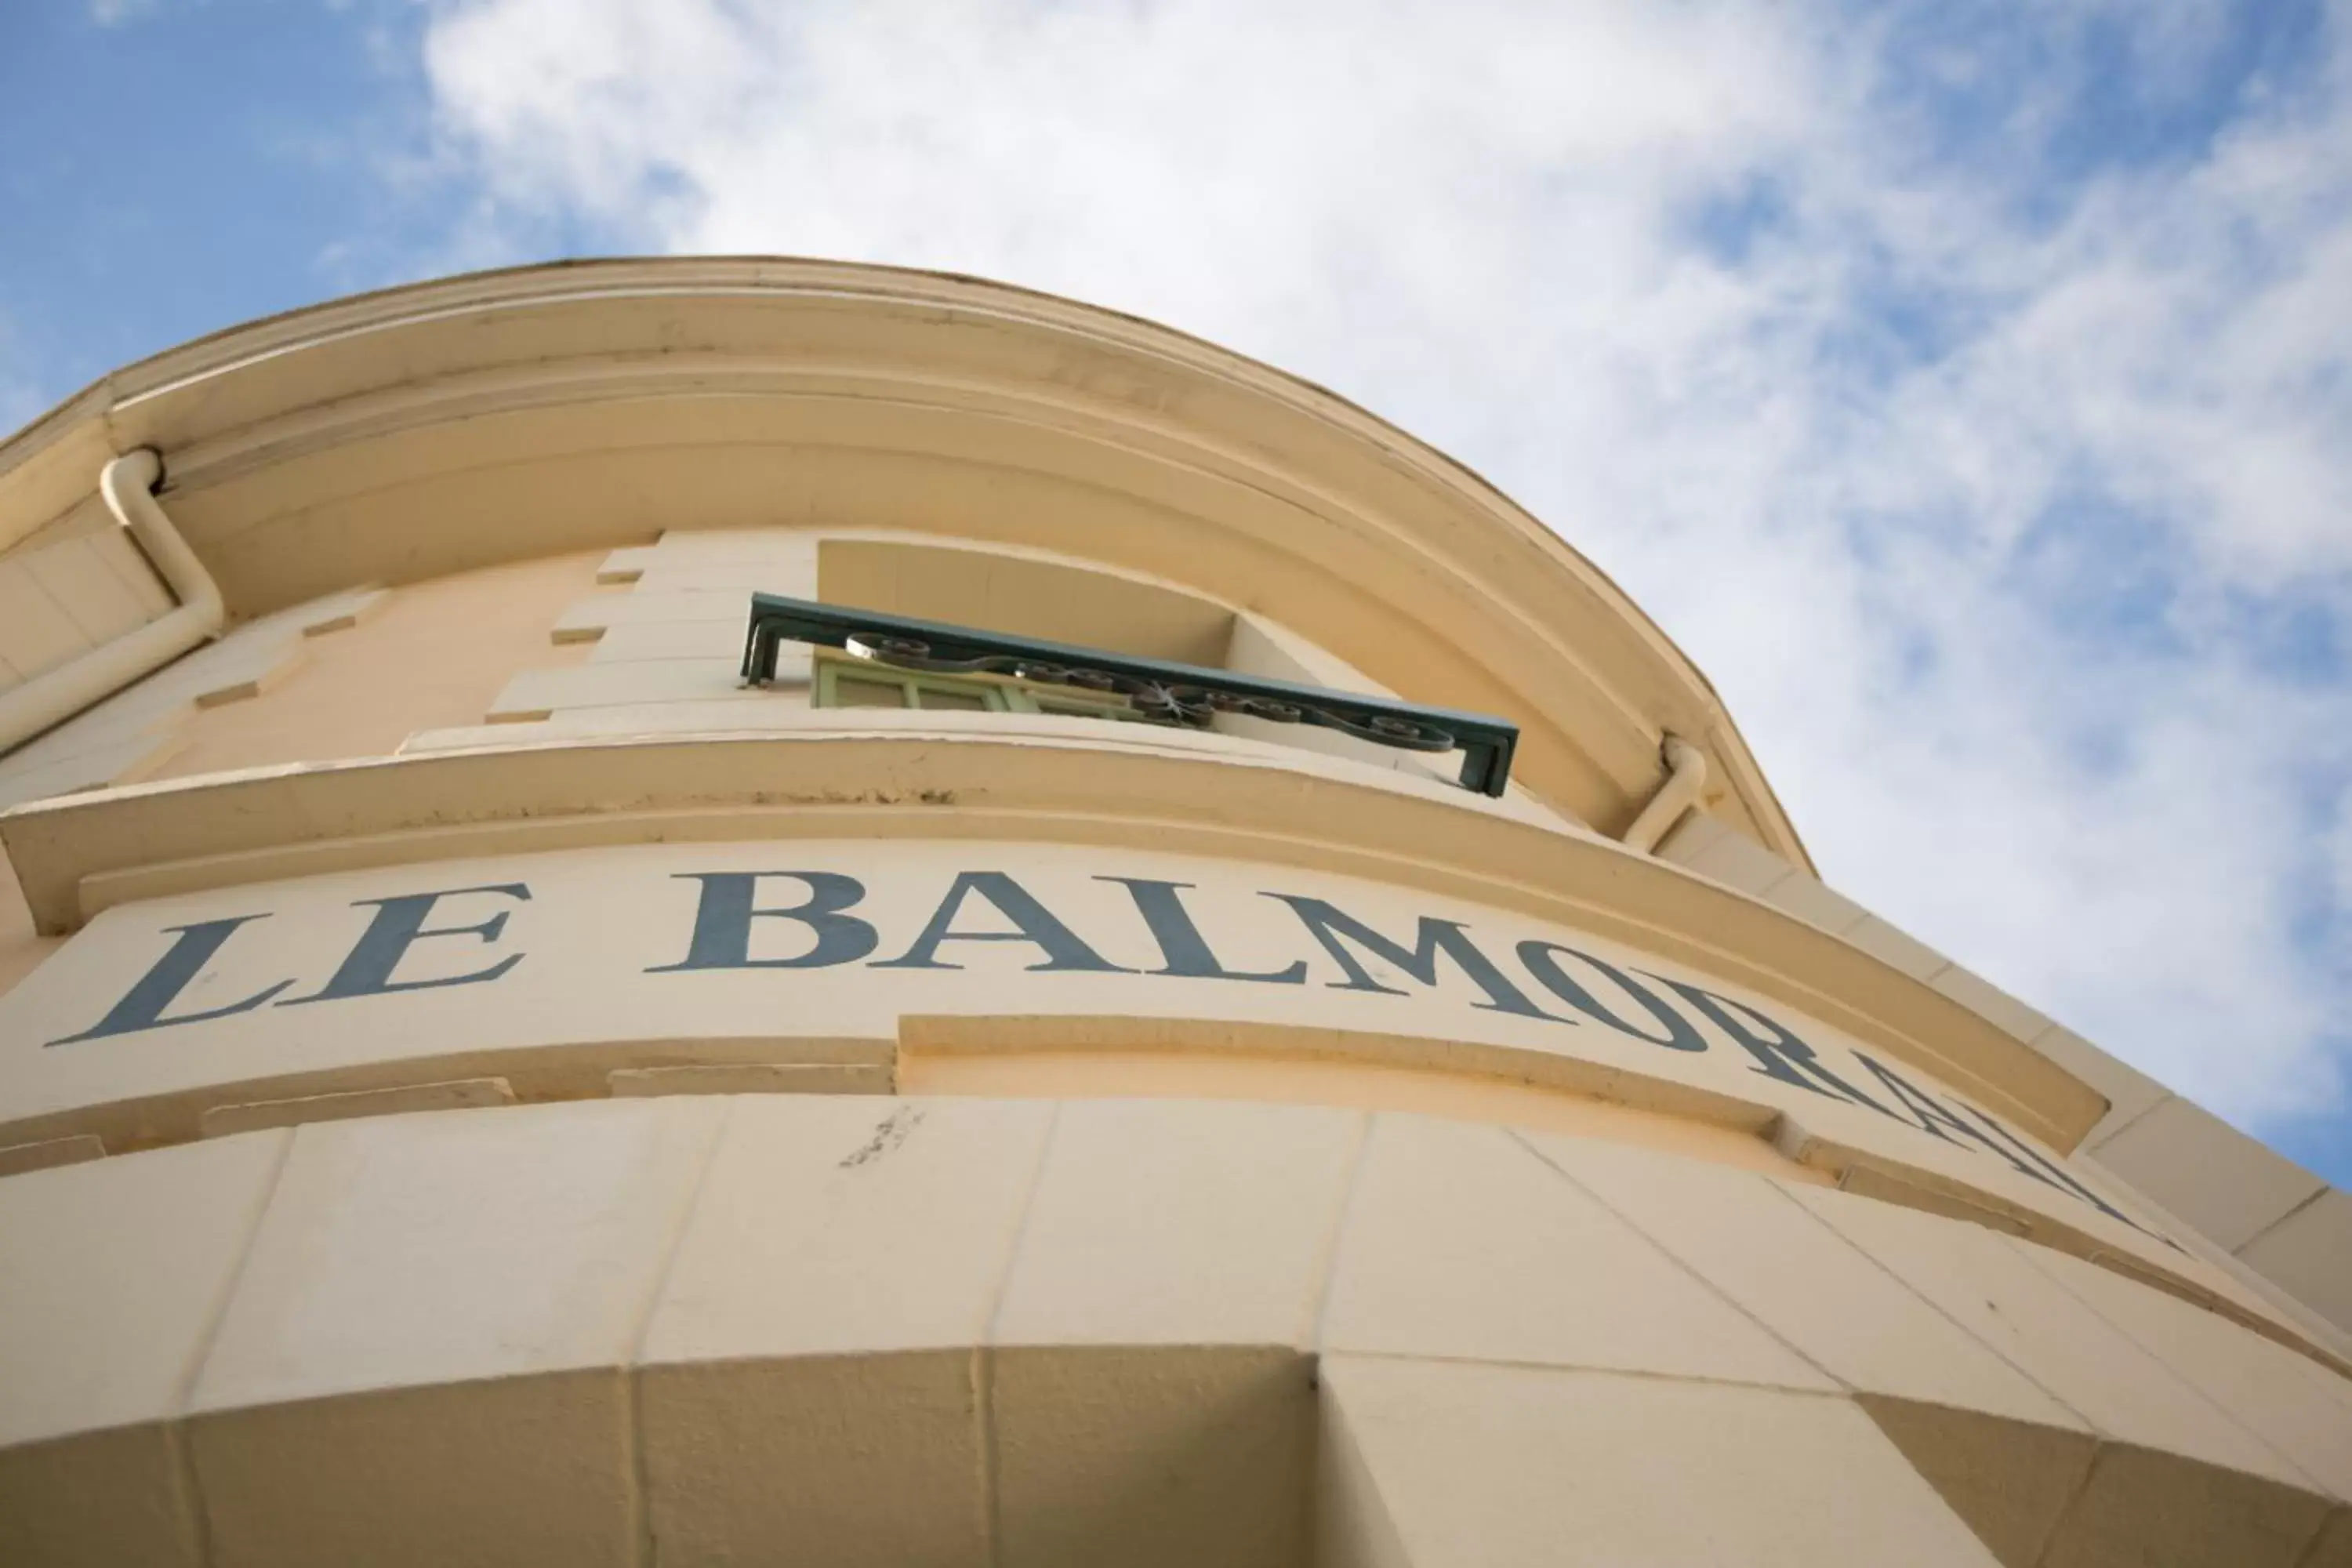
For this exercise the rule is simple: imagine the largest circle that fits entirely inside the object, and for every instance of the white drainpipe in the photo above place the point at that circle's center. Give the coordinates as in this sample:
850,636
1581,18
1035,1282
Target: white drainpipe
1685,776
53,696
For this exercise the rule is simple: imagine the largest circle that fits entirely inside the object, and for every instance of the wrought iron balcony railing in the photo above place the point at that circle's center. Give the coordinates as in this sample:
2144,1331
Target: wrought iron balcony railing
1157,689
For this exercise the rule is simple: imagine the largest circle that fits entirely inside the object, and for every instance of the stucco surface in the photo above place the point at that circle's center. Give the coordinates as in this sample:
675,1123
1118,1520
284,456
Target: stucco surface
1063,1332
1088,1143
541,975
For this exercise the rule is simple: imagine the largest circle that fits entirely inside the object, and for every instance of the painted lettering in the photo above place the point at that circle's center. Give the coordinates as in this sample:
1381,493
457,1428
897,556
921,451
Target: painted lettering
397,925
814,923
142,1006
1780,1054
2063,1180
1032,921
1536,958
728,904
1183,949
1938,1119
1335,928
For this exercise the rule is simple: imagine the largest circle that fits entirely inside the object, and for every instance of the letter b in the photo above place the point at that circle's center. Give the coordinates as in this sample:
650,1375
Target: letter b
722,922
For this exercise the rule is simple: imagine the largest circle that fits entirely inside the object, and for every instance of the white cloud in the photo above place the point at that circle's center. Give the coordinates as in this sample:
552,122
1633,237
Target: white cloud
1982,485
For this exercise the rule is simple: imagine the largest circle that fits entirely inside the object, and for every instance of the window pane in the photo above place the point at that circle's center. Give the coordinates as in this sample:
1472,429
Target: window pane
849,691
949,697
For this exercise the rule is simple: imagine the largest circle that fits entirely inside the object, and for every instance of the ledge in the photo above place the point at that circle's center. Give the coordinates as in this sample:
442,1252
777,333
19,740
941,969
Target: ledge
1042,779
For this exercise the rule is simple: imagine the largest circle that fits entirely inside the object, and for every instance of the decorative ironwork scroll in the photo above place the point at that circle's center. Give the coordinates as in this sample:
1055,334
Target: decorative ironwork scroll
1156,689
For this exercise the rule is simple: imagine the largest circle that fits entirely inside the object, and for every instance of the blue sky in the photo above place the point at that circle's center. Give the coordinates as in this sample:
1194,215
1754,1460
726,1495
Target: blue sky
1967,386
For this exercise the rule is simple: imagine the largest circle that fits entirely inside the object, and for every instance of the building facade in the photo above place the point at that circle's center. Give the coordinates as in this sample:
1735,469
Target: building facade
740,911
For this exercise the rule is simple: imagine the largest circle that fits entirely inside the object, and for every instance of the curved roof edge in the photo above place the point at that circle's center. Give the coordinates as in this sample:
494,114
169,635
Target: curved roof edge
235,393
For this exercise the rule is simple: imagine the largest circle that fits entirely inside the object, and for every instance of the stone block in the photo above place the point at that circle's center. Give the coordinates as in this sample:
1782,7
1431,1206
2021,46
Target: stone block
2268,1389
36,634
130,565
1738,861
1503,1467
2207,1173
1152,1456
1990,1002
1986,1285
1779,1263
533,1471
453,1246
99,1500
114,1276
1460,1242
1811,901
77,577
1890,946
1175,1222
2309,1253
848,1226
841,1459
2140,1506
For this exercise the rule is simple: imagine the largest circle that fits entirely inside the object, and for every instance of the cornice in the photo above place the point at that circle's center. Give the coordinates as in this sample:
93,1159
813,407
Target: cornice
311,450
928,777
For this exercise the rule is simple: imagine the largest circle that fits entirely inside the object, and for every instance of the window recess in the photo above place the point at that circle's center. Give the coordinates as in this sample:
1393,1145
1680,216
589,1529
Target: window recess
844,681
897,661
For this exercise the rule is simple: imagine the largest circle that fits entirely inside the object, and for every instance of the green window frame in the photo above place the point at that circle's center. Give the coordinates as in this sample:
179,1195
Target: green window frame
840,682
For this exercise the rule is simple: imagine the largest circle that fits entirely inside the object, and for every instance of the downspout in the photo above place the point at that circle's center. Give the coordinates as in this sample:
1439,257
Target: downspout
1685,776
128,483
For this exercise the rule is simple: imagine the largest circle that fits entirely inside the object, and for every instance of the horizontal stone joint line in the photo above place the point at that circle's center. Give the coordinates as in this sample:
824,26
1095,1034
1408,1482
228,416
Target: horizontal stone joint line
1578,1369
1936,1307
2163,1369
2240,1250
2092,1144
1675,1259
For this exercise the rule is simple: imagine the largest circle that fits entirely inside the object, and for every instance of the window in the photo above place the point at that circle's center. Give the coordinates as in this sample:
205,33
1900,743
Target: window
841,682
902,662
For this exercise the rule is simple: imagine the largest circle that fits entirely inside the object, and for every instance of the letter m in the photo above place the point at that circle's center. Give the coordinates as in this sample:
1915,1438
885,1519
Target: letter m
1335,930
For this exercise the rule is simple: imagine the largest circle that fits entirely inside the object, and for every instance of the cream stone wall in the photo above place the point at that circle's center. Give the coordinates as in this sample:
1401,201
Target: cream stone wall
668,644
478,1083
2283,1231
428,655
72,587
859,1330
21,948
425,432
1268,1076
351,674
541,976
122,738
